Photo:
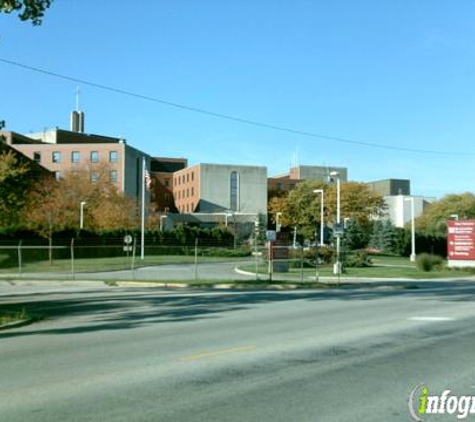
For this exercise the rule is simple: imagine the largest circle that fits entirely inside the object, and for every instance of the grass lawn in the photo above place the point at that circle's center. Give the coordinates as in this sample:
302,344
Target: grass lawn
383,267
111,264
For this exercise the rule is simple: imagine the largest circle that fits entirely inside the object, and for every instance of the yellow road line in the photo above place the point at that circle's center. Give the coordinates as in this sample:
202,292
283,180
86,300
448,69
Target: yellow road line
218,353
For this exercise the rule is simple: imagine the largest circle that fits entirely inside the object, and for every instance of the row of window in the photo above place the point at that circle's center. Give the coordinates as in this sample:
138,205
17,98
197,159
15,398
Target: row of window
184,178
56,157
187,208
181,194
114,177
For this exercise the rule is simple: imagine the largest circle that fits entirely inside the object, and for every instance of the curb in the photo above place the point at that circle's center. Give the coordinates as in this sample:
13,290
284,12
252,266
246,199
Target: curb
16,324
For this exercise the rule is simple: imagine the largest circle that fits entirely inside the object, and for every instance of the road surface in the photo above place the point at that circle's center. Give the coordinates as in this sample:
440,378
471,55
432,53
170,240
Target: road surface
123,354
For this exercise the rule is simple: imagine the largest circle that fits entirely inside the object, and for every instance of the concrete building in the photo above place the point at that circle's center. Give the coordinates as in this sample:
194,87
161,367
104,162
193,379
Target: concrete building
285,182
162,170
61,150
317,173
36,170
391,187
219,188
399,208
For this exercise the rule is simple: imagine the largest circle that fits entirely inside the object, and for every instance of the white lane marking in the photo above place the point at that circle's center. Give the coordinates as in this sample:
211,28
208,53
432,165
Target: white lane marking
430,318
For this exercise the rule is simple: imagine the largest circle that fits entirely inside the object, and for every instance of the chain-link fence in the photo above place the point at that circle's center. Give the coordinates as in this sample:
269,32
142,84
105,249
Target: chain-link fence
124,259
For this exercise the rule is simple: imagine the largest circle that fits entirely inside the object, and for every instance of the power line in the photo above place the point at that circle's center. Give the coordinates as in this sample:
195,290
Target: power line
226,116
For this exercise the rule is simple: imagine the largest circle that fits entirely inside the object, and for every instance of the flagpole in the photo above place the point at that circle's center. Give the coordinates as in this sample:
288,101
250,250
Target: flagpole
142,237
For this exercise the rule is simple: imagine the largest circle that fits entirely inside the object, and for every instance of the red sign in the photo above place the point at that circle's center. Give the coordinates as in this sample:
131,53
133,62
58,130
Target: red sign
461,240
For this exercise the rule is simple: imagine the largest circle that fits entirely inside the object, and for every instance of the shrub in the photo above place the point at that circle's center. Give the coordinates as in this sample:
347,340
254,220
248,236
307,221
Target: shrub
357,259
428,262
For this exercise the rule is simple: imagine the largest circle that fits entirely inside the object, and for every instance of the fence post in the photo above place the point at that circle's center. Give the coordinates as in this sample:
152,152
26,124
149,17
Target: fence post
317,275
196,259
133,258
271,264
19,257
301,264
72,258
257,258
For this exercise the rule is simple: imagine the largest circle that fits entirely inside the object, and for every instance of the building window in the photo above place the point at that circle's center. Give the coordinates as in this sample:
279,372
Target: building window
94,176
188,193
94,156
56,157
187,177
112,156
75,157
183,179
37,156
234,191
167,183
114,176
192,191
192,176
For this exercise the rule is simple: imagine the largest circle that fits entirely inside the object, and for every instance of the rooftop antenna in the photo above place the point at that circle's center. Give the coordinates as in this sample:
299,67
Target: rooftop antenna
78,93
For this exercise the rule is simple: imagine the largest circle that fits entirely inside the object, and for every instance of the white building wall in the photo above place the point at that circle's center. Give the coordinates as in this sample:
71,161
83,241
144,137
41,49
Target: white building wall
399,208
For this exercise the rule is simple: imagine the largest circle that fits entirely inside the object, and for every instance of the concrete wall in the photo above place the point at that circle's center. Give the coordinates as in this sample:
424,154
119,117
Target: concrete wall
132,170
399,209
215,192
391,187
317,173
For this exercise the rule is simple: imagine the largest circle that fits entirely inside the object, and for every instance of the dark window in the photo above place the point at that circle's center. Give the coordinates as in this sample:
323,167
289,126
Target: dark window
94,176
37,156
234,191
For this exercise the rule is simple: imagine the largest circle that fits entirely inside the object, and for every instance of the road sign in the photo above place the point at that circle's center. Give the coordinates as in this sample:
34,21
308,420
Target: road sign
461,240
338,230
271,235
128,239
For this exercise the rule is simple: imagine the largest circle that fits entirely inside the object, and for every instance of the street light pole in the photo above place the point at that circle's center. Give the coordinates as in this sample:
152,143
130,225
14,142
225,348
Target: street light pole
320,191
162,217
277,221
81,215
337,268
413,230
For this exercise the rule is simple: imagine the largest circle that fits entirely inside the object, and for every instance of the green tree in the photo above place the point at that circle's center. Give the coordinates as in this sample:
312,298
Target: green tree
385,236
16,181
28,10
433,219
301,207
355,236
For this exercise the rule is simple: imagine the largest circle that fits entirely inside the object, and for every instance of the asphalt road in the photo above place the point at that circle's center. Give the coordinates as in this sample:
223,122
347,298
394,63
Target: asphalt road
166,272
121,354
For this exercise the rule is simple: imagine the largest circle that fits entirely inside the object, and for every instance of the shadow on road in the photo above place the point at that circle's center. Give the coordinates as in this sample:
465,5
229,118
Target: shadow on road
126,308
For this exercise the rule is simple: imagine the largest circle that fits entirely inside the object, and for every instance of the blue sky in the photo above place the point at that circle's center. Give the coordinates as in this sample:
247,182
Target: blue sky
394,73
